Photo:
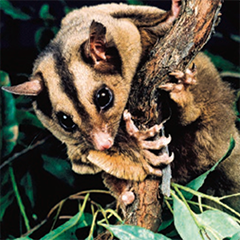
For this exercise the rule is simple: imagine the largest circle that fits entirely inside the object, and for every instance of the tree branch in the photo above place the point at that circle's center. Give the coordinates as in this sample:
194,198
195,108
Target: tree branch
175,51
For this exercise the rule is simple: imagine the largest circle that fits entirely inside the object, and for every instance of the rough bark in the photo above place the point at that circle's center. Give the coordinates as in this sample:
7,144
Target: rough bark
176,49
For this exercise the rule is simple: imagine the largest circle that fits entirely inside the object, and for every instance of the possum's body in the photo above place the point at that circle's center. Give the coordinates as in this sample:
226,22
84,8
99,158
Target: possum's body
201,126
81,84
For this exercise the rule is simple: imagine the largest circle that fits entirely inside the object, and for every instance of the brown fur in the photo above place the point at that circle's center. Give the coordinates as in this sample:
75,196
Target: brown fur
96,46
201,127
202,122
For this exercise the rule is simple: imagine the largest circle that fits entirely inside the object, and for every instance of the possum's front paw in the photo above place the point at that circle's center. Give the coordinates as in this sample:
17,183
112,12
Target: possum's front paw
148,145
179,92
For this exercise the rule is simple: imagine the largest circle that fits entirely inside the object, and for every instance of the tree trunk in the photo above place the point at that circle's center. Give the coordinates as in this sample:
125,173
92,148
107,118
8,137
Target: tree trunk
175,51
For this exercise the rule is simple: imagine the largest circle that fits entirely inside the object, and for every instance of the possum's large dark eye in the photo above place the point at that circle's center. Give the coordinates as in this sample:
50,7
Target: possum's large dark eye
103,98
66,122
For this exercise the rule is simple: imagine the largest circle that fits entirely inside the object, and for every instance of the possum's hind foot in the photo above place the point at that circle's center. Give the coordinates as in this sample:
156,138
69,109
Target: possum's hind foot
148,145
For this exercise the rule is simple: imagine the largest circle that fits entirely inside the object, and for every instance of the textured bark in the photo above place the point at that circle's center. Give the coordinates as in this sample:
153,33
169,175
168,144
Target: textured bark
146,209
176,49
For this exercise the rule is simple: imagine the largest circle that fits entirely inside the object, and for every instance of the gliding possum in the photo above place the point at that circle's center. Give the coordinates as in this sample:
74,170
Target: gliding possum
81,83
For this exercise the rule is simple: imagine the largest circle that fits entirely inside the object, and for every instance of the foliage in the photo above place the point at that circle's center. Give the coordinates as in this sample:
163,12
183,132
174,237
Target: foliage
15,13
135,2
31,160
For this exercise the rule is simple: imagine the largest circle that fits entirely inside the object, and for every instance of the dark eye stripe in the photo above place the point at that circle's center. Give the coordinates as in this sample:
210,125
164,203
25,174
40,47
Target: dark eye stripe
67,83
43,101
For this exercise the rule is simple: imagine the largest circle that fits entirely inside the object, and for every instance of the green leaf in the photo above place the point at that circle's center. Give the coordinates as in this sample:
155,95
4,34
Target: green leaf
8,122
60,168
184,221
219,223
211,224
6,194
68,229
44,13
67,10
55,30
222,63
28,185
15,13
165,224
25,117
236,236
198,182
24,238
5,202
43,36
126,232
135,2
19,198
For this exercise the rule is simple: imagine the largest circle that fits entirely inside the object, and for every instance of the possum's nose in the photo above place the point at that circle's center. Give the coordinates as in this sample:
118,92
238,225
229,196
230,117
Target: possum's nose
102,140
106,145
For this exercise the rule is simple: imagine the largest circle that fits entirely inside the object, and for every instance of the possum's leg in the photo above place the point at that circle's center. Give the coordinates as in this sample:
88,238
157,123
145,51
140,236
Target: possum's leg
146,145
181,94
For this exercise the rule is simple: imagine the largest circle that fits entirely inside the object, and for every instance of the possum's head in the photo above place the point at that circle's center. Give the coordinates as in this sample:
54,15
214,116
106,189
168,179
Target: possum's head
82,80
86,84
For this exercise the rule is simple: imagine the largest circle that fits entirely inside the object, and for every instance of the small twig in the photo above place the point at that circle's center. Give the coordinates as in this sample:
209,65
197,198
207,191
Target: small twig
214,199
65,217
34,229
19,200
78,196
230,74
16,155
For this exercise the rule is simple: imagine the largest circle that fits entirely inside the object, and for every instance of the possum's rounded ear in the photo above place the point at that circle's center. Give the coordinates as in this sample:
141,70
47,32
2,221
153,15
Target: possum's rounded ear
100,49
30,88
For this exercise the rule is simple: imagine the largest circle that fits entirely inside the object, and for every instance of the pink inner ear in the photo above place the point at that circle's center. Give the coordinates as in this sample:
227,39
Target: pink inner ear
97,42
176,7
31,88
97,49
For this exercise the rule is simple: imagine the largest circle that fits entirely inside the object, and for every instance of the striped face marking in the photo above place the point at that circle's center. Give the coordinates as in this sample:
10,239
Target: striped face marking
83,107
86,82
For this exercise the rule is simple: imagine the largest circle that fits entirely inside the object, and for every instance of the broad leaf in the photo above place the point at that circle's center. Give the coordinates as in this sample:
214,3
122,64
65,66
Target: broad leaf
68,229
211,224
25,117
24,238
60,168
15,13
9,131
222,63
135,2
236,236
218,224
43,36
184,221
5,202
44,13
126,232
6,194
165,224
28,186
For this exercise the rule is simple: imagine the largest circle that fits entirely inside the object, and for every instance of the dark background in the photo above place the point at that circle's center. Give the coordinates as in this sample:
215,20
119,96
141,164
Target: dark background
18,48
18,51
